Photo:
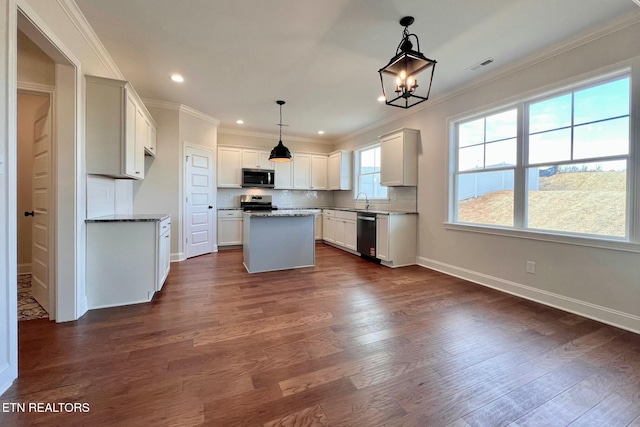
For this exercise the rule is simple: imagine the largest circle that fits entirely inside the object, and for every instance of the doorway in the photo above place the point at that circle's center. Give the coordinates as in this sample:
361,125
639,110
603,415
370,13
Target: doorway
34,216
200,201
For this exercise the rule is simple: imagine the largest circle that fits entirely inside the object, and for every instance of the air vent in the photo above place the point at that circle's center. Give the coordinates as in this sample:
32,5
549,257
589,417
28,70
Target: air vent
637,2
484,62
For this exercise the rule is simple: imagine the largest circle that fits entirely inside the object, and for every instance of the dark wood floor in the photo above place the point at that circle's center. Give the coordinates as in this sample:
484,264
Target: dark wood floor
347,343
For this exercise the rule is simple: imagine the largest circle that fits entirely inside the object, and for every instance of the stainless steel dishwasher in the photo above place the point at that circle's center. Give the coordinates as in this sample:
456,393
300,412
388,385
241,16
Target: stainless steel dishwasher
367,235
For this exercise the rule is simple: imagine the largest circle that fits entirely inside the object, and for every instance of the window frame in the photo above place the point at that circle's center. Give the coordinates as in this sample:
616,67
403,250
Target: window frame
358,171
630,242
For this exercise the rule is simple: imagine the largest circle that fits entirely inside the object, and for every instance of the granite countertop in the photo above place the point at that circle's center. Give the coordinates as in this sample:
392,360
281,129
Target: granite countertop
129,218
376,211
282,212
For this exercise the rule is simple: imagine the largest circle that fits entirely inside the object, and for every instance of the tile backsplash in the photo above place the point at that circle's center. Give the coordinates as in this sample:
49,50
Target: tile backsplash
400,198
230,197
108,196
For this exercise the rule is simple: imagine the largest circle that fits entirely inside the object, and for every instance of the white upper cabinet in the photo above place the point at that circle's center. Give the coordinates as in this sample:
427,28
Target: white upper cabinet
309,171
339,170
151,148
318,172
284,175
399,158
301,171
142,142
256,159
119,129
229,167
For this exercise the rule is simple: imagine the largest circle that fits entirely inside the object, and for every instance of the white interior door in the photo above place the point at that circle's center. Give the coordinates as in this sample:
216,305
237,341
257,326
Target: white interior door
200,201
41,193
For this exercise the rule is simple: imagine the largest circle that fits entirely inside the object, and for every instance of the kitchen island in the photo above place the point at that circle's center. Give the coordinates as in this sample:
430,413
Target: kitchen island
278,240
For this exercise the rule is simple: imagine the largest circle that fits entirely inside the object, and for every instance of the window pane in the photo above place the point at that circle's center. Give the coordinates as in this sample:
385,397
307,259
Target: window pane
379,192
551,146
366,185
501,153
550,114
471,133
585,198
602,102
502,126
471,158
368,161
608,138
485,198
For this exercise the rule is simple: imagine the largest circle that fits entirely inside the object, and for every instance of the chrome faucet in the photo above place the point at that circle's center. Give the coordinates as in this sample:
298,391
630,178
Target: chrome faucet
366,200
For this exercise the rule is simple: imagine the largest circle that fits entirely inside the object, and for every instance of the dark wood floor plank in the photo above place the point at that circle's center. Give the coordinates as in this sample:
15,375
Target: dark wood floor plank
344,343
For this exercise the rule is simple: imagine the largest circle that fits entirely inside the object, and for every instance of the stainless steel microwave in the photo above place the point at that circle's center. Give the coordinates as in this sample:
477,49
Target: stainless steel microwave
262,178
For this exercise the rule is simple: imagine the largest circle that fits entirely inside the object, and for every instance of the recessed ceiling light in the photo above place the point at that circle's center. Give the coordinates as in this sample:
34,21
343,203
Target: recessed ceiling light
240,121
320,132
381,98
177,78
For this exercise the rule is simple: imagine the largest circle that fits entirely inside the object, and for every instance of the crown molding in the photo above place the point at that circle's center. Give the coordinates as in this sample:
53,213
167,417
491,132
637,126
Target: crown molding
544,54
270,135
199,114
78,19
166,105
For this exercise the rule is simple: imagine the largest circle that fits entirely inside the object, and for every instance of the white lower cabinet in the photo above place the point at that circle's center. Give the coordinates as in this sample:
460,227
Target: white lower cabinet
318,225
328,225
164,253
396,239
127,261
340,228
229,227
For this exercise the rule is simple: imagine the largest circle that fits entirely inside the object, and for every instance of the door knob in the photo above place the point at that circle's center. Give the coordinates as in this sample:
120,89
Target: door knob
29,213
210,207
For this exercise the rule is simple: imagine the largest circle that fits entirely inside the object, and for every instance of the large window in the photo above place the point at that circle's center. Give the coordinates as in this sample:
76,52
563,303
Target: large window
557,163
369,173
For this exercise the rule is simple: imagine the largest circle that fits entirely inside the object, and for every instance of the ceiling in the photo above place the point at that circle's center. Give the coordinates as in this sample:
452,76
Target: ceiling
239,56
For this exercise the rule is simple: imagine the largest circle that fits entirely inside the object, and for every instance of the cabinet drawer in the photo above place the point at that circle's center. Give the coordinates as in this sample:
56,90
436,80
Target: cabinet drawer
164,226
329,213
230,213
350,216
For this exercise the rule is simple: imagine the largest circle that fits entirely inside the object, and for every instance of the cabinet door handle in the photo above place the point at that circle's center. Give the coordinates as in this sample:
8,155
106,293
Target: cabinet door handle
138,172
32,213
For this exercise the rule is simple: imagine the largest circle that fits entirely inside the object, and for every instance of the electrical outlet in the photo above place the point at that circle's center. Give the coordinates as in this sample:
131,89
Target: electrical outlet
531,267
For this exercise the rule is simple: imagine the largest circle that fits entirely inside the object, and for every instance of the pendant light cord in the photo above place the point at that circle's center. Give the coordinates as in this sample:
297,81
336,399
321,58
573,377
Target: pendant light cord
280,124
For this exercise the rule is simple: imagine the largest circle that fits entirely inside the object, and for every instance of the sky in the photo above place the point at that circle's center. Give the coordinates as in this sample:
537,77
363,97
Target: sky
600,128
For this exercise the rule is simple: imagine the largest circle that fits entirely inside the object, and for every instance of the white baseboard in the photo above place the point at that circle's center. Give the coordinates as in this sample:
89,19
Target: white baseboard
83,307
177,257
24,268
602,314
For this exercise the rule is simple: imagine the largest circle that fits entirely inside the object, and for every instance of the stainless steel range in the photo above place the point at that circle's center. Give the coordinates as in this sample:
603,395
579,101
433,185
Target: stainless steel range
256,203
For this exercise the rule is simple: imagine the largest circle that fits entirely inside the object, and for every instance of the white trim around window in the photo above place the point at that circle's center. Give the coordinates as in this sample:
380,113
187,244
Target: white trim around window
471,159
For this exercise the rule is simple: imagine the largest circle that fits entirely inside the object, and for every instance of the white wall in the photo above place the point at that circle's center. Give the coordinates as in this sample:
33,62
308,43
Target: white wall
240,138
600,283
34,66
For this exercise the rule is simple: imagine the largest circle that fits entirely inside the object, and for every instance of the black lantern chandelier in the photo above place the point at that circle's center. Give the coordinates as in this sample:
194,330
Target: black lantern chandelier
280,153
399,77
